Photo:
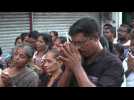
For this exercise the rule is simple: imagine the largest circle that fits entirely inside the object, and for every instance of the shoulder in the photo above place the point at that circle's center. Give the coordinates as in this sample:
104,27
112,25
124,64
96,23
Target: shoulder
131,76
110,58
32,78
31,74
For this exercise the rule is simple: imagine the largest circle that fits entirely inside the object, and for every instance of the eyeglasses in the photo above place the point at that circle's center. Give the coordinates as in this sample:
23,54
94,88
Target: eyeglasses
80,44
119,30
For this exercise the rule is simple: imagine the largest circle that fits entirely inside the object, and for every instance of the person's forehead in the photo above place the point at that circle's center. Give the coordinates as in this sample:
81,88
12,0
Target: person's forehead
58,40
20,50
78,36
107,30
51,33
32,39
40,38
19,40
49,55
123,28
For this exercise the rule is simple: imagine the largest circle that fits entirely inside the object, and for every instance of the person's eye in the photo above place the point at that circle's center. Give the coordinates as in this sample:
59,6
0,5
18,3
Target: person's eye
15,53
22,56
49,61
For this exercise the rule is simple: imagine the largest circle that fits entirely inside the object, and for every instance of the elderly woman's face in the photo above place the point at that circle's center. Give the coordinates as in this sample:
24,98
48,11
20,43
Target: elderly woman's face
19,57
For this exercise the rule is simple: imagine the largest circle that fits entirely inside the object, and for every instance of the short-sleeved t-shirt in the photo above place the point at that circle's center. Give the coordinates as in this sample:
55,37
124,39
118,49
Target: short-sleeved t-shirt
105,71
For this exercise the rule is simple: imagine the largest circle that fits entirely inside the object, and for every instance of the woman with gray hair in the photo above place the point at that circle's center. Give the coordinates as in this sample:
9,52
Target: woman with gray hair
18,74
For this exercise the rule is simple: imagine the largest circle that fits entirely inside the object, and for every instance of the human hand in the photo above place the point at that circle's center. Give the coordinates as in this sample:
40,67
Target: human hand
5,79
71,56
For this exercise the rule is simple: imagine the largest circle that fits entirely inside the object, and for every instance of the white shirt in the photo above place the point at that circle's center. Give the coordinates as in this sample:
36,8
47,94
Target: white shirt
129,81
125,67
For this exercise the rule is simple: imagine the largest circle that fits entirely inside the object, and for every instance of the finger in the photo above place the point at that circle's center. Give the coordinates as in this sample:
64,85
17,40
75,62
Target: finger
74,49
65,53
68,49
4,75
62,58
5,78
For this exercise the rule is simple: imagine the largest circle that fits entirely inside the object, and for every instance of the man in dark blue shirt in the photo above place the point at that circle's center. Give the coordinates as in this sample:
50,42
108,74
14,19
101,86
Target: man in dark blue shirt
87,64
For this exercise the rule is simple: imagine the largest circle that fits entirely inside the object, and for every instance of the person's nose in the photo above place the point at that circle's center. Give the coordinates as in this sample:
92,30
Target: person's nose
45,65
16,57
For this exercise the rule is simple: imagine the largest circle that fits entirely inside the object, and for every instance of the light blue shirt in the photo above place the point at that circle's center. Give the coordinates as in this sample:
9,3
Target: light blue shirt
130,80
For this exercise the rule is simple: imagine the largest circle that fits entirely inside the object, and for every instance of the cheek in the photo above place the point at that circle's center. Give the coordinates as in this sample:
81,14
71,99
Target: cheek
89,46
51,64
23,61
88,49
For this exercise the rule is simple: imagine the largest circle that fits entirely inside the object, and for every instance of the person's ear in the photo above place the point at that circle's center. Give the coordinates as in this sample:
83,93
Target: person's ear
60,62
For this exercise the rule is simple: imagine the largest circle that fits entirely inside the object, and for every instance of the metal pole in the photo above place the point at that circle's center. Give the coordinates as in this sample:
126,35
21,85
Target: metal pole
31,21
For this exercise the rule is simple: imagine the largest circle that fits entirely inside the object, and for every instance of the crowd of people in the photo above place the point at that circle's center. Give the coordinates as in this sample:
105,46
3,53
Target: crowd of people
88,59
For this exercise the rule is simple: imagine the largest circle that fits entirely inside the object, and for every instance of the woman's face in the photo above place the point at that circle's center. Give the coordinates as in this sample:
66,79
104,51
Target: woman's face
57,44
19,57
26,39
50,62
53,36
40,44
19,42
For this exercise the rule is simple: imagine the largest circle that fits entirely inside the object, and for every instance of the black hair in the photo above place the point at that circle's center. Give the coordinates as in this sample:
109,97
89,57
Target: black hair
108,25
17,39
87,26
34,34
55,33
0,51
63,39
127,26
47,38
23,35
120,49
132,34
111,28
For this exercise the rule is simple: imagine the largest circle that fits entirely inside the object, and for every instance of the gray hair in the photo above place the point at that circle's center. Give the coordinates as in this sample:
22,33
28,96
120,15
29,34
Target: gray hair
28,49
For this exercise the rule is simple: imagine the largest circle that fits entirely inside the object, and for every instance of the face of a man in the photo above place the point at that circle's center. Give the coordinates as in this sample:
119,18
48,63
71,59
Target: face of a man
85,45
122,33
108,34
